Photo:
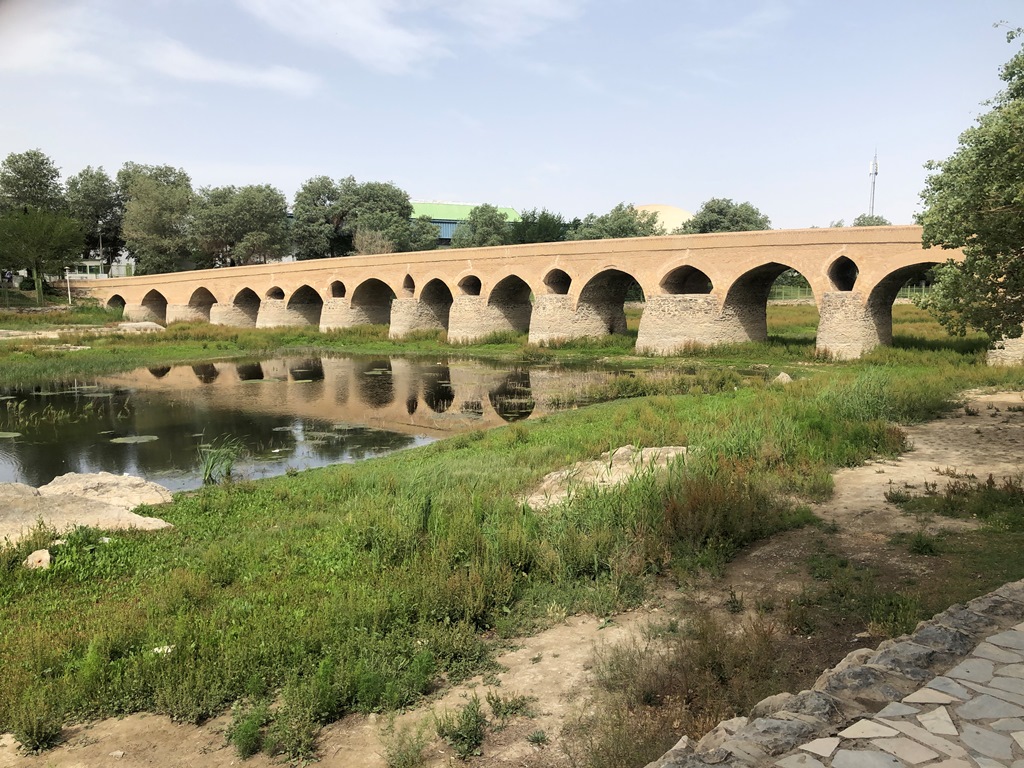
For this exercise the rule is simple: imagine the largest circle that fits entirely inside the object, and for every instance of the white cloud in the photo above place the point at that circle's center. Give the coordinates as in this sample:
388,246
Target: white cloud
42,36
366,30
399,36
174,59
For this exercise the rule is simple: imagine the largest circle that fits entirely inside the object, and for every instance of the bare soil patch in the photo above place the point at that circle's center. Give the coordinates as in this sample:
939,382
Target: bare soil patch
985,437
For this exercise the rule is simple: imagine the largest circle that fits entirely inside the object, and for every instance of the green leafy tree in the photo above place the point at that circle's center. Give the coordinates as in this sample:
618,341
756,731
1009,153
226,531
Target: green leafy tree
379,207
720,214
238,226
621,221
423,234
319,230
871,220
485,225
30,180
974,200
158,202
41,241
94,199
537,227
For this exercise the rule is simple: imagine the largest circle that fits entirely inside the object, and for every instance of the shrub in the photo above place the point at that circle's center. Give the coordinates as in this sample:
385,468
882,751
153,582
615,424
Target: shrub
38,720
464,729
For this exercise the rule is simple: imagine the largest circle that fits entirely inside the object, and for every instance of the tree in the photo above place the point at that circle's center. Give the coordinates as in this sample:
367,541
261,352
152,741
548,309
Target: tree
379,207
621,221
158,201
40,241
871,220
30,180
94,200
423,234
318,230
238,226
537,227
720,214
485,225
974,200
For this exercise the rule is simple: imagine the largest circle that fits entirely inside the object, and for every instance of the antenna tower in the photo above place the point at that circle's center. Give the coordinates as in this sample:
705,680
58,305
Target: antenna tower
874,175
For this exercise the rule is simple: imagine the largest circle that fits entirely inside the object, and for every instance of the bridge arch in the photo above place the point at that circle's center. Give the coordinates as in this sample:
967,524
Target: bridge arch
153,308
843,274
686,279
371,303
603,298
248,304
470,285
274,293
436,302
745,305
510,297
408,286
558,282
116,302
307,303
201,300
337,290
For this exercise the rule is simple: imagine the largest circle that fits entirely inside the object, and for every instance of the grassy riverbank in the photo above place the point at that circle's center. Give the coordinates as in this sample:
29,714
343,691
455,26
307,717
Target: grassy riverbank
363,587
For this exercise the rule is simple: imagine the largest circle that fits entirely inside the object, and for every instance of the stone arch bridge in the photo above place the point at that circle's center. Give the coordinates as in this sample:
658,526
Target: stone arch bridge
698,289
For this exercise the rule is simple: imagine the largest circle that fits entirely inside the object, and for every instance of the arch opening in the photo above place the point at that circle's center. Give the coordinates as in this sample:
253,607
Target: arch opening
438,393
201,300
307,303
375,383
558,282
371,302
470,285
511,296
408,286
207,373
156,306
275,293
884,294
337,290
436,298
309,370
116,302
248,303
746,301
159,371
604,297
249,371
685,280
843,274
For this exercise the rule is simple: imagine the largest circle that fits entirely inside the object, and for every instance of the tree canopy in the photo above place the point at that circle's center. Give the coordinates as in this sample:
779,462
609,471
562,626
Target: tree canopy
621,221
238,226
94,199
156,216
30,180
485,225
41,241
871,220
974,200
535,226
720,214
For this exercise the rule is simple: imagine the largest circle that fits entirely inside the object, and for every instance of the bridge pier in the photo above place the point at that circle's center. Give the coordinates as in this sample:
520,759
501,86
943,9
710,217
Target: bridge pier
233,315
409,315
474,317
188,313
1007,352
848,326
275,313
554,319
672,322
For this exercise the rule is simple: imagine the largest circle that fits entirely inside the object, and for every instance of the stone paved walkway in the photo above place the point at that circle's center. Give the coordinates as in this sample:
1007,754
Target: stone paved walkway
950,694
971,717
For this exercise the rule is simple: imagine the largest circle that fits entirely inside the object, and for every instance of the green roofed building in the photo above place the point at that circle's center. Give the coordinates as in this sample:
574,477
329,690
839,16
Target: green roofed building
448,216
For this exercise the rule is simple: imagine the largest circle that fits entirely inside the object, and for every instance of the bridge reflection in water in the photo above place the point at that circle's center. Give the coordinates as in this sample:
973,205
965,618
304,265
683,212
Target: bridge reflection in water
287,413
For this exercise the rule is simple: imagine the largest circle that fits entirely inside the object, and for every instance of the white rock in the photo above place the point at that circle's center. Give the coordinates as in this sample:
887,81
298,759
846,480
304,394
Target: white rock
782,378
38,560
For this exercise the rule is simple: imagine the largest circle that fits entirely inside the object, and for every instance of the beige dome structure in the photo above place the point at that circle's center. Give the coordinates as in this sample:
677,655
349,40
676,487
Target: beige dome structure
670,217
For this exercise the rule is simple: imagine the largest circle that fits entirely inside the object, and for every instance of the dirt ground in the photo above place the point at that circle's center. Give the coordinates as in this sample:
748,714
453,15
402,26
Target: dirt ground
985,437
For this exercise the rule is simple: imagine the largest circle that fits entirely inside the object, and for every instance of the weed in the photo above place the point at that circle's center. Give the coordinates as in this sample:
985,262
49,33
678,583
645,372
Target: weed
921,543
246,731
38,720
405,746
506,707
464,730
217,458
734,602
538,738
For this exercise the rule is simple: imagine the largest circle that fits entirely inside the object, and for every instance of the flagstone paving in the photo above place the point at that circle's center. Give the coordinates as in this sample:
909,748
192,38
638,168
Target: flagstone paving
977,723
951,695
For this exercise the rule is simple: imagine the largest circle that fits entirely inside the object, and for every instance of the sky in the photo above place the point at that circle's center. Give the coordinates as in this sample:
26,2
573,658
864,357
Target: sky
569,105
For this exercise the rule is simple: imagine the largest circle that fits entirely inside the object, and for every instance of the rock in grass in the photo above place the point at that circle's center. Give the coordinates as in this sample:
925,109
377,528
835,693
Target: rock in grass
38,560
782,378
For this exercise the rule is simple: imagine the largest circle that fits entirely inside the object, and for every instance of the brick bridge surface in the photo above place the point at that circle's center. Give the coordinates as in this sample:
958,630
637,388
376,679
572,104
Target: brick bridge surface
698,289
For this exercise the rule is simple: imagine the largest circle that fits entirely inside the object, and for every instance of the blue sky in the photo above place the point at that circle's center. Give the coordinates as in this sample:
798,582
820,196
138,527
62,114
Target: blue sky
572,105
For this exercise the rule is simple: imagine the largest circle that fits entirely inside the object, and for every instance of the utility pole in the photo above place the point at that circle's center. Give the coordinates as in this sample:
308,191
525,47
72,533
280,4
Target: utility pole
874,175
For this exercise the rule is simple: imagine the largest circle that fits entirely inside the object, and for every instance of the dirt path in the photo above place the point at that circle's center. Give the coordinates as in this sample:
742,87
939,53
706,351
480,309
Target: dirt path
986,437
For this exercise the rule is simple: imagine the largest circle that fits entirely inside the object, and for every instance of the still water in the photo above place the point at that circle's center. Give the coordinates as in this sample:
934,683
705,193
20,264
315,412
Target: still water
287,413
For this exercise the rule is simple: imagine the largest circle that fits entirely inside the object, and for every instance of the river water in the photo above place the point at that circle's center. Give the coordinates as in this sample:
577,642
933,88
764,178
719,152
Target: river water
285,414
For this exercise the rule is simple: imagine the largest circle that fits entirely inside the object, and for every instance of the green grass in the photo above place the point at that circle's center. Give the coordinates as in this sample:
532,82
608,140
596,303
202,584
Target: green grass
364,587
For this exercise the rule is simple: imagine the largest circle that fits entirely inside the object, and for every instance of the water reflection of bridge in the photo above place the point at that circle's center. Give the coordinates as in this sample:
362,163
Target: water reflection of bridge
397,394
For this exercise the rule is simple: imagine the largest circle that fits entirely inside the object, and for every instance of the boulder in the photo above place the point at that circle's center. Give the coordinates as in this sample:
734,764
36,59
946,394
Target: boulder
38,560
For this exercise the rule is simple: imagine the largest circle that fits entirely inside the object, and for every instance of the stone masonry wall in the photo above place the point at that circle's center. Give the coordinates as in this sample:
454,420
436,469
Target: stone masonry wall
408,315
472,317
670,323
187,313
847,328
1007,352
862,684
